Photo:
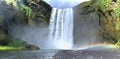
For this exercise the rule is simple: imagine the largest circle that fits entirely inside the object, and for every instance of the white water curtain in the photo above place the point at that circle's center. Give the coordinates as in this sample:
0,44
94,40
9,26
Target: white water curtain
61,25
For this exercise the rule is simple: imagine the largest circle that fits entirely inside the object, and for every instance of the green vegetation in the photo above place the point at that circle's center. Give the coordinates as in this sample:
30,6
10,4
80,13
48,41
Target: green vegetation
107,5
104,4
11,2
28,12
23,9
14,43
10,48
109,18
117,45
109,12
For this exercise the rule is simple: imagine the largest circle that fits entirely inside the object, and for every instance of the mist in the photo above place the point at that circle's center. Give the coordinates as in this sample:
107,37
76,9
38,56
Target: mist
36,35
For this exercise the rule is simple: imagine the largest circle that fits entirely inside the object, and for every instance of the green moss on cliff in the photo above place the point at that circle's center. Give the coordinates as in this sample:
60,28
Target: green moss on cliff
12,2
109,18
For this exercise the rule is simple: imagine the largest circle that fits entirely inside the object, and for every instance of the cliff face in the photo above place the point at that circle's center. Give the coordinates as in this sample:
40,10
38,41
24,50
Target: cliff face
20,13
97,20
86,25
7,15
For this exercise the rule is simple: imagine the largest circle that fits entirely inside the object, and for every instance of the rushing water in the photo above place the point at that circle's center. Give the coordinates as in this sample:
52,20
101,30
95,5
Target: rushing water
61,27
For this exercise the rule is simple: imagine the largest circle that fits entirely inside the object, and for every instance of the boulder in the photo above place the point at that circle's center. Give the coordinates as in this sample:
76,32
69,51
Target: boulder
32,47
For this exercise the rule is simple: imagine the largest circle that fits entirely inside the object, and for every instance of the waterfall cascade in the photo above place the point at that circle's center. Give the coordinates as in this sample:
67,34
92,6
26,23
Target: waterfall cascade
61,27
61,22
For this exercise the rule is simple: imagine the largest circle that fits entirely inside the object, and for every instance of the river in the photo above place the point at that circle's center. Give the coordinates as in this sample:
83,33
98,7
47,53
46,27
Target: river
62,54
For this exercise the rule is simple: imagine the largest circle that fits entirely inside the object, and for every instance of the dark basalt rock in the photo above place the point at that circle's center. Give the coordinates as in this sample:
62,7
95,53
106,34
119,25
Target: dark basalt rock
32,47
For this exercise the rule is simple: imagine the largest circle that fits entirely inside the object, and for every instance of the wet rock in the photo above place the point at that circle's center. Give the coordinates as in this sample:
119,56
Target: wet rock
4,38
32,47
42,11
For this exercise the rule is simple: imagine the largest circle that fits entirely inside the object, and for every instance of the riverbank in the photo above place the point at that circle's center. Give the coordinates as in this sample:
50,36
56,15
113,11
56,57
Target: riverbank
11,48
29,47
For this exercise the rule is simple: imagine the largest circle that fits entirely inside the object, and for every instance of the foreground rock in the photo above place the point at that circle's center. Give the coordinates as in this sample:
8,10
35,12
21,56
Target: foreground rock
32,47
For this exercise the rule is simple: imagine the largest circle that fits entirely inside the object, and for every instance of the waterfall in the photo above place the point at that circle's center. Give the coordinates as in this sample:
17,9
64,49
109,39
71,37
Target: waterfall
61,23
61,27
